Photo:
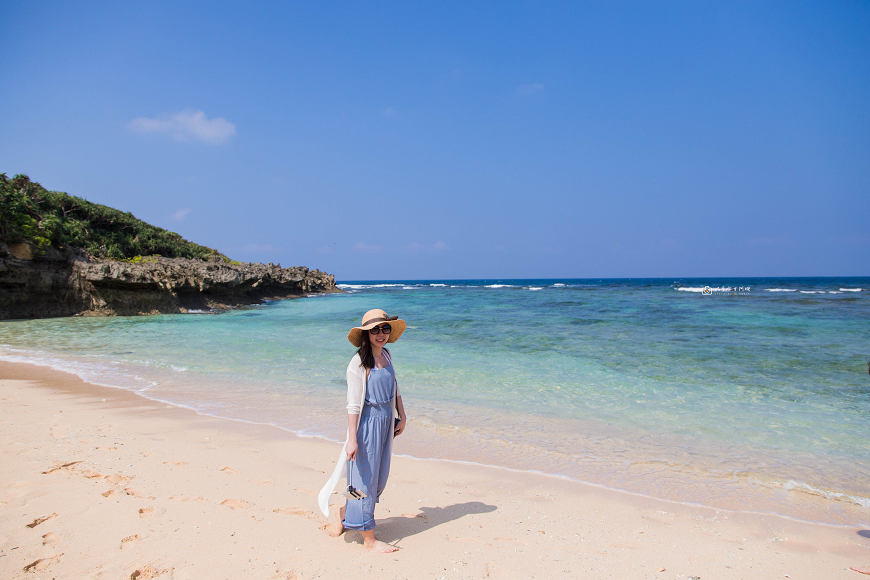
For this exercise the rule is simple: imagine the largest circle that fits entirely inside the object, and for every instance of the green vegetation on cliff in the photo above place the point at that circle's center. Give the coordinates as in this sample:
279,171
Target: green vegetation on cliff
31,213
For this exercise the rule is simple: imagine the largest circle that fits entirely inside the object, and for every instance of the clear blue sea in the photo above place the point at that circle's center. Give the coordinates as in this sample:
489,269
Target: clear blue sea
754,396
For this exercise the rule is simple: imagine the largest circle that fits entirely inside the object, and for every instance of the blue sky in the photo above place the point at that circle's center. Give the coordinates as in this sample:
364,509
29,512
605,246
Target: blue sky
459,139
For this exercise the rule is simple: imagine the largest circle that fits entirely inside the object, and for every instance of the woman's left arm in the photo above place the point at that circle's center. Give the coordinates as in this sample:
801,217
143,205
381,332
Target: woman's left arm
400,408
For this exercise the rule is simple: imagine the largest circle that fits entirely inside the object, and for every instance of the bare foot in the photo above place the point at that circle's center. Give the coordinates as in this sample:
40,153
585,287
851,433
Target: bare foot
379,546
336,528
375,545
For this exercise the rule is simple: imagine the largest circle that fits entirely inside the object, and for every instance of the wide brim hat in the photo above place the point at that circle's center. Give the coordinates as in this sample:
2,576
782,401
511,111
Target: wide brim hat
373,318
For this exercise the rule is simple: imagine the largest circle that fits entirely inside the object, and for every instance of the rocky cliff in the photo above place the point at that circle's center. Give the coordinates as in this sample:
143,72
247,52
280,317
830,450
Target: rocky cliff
36,284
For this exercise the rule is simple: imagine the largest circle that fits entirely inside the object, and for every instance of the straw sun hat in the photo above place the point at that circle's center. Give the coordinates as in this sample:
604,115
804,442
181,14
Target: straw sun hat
373,318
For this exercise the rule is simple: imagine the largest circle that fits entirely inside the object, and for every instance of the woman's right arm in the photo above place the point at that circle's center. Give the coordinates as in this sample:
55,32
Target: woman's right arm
355,383
351,447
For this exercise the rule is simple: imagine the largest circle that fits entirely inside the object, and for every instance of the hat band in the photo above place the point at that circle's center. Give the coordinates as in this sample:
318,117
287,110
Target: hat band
381,319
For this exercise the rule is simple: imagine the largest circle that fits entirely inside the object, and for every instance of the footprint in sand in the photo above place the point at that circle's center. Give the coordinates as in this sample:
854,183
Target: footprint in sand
296,511
230,470
125,543
136,493
147,454
146,512
303,490
261,481
42,563
49,539
106,448
107,493
186,498
105,427
174,463
38,521
236,504
114,478
64,466
144,573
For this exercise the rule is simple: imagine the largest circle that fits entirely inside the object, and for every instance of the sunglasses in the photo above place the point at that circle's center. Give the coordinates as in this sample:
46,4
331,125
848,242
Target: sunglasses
379,329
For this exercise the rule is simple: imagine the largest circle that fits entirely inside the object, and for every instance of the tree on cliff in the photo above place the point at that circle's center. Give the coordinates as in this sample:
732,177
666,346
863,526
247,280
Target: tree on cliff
31,213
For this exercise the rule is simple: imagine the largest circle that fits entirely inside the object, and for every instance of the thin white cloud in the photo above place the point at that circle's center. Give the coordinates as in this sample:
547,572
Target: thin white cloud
438,246
188,125
180,214
530,89
367,249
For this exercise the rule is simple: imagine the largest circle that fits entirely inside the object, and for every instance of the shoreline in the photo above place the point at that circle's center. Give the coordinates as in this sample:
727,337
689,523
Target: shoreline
760,494
207,483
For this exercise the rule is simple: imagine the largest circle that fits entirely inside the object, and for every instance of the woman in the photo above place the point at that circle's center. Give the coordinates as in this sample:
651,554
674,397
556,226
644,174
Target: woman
373,402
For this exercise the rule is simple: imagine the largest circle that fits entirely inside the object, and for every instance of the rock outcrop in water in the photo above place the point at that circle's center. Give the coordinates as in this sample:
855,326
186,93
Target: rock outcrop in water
49,283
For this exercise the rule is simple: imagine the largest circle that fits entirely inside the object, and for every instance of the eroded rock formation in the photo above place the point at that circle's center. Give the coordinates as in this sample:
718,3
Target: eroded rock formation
36,284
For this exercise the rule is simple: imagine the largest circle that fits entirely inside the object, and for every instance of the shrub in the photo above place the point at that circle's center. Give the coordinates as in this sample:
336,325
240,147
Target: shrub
29,212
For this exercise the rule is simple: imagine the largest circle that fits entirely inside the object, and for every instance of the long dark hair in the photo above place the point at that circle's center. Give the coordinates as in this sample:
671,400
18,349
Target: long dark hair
367,359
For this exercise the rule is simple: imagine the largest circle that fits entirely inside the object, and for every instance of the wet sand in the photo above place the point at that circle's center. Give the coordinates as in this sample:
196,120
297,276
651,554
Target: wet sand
102,483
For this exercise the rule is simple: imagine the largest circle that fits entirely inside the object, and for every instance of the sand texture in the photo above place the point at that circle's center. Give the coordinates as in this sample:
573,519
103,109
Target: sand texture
101,483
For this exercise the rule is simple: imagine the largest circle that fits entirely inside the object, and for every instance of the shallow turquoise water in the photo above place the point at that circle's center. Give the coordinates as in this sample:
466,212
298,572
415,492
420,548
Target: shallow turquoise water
752,398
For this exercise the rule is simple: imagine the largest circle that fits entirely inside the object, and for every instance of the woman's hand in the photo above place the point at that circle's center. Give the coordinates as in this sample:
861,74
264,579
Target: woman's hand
351,449
403,419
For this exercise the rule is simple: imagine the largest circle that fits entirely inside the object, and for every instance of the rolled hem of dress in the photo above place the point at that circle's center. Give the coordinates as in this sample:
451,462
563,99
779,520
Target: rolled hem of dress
369,525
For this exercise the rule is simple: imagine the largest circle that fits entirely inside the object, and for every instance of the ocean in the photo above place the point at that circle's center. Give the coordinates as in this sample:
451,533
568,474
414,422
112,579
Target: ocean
745,394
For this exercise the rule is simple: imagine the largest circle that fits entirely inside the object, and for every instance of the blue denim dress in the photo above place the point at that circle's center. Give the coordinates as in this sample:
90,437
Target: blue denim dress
371,468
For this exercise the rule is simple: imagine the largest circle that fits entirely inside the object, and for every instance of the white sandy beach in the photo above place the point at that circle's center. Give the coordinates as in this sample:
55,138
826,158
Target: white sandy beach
102,483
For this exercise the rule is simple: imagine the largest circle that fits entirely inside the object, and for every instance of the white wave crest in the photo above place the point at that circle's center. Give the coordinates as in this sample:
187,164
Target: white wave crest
364,286
836,495
499,286
780,290
716,289
850,289
105,373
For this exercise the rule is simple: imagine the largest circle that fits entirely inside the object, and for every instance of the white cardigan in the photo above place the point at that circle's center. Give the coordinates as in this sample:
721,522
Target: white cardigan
357,377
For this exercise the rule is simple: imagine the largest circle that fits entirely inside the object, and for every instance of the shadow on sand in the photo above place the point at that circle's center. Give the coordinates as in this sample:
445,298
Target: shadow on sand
864,533
395,529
